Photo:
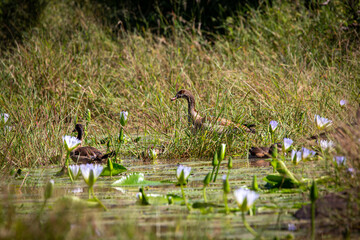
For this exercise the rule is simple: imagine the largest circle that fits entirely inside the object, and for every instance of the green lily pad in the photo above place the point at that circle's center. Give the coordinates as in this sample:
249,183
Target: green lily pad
136,179
276,181
117,169
205,205
75,201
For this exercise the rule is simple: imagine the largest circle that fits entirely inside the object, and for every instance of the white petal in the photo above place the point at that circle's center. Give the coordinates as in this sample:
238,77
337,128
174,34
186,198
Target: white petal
5,117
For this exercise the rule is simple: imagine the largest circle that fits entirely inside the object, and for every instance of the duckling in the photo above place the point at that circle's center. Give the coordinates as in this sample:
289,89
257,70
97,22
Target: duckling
87,154
201,122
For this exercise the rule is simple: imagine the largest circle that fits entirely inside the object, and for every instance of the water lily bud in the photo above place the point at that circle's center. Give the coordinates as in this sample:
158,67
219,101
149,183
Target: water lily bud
230,163
182,173
121,135
91,178
110,164
153,154
226,184
222,152
123,118
255,185
274,153
207,179
314,194
49,189
145,200
215,161
170,200
88,115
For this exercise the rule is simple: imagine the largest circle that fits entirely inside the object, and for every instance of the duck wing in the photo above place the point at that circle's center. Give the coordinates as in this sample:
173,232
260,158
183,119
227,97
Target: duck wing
85,154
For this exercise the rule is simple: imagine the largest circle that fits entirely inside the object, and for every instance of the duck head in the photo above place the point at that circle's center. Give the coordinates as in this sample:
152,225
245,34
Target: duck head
183,94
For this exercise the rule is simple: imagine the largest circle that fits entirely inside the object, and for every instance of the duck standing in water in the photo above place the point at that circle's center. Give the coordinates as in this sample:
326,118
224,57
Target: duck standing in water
220,124
87,154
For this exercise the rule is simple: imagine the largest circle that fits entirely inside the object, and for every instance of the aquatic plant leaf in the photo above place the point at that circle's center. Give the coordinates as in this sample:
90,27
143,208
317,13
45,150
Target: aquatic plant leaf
75,201
206,205
117,169
276,181
136,179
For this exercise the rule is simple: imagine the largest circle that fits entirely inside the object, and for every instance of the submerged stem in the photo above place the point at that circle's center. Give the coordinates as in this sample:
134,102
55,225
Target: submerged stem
204,193
101,204
67,166
226,203
247,226
183,195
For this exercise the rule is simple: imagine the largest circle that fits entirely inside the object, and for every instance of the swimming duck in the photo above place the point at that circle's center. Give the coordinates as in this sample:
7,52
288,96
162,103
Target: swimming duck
87,154
200,122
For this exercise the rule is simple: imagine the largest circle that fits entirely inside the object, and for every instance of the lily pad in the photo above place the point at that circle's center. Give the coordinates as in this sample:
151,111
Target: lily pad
276,181
75,201
136,179
117,170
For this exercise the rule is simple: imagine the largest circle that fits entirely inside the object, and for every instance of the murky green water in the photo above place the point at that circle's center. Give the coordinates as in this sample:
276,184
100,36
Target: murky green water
273,214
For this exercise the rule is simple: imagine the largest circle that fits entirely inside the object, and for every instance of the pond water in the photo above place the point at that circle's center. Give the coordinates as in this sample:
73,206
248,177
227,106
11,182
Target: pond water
273,214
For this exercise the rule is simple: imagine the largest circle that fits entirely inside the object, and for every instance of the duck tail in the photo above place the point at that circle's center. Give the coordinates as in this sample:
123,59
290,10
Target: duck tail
110,154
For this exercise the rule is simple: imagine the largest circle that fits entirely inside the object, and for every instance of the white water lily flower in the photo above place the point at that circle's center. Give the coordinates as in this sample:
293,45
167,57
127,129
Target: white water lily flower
305,153
86,170
74,171
322,122
70,142
343,102
273,125
182,173
324,144
4,117
241,194
287,143
291,227
340,160
293,155
296,156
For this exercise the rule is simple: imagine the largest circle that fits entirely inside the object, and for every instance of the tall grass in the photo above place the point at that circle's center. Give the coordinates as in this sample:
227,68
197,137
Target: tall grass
285,64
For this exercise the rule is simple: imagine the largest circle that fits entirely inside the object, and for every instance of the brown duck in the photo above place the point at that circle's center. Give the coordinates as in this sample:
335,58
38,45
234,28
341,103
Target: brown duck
87,154
264,152
205,122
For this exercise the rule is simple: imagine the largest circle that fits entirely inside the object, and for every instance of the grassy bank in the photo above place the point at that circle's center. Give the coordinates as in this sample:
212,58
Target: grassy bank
284,64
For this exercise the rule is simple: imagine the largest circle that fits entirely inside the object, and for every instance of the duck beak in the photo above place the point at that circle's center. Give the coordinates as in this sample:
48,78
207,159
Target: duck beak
173,99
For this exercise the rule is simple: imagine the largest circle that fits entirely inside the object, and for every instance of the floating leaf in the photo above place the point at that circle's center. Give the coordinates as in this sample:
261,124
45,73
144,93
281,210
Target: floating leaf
136,179
117,169
276,181
75,201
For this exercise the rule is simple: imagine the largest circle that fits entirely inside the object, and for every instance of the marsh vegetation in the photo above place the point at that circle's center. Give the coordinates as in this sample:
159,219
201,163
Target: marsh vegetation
69,62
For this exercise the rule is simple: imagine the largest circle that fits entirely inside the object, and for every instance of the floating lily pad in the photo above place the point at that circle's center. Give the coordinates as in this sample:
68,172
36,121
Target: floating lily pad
276,181
136,179
72,200
205,205
117,170
153,199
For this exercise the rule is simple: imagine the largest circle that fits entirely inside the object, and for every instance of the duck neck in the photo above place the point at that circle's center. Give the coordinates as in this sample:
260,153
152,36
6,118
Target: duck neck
80,135
192,113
